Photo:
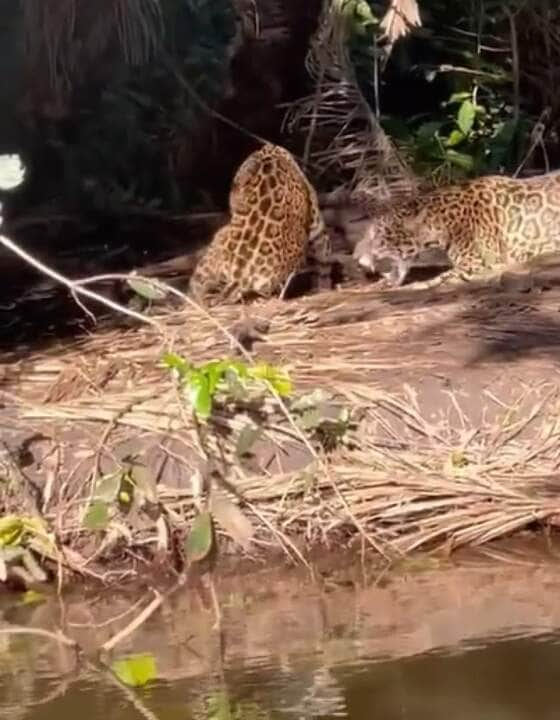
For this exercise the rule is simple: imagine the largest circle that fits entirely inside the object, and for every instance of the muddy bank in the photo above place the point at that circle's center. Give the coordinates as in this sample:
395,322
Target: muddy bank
417,417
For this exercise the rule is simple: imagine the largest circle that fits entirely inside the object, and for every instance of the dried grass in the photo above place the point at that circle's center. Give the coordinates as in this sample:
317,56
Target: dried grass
411,473
345,143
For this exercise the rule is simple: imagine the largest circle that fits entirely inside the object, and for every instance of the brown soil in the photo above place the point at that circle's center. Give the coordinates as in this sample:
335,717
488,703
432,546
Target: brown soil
454,394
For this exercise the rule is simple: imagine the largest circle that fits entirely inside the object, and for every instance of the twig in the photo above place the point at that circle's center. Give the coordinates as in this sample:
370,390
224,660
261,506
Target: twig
537,135
143,616
58,636
128,692
515,67
110,621
134,623
75,286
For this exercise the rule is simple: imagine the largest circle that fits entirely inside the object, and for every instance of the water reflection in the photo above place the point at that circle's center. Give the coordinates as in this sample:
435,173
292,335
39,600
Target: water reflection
423,646
510,680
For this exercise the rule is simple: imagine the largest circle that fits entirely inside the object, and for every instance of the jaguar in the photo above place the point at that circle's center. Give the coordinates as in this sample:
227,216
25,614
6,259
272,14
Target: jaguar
275,229
475,228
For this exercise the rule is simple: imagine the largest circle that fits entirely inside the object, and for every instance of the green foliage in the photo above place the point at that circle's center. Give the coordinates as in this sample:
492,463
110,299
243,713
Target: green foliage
199,541
20,531
32,597
21,538
145,289
225,380
97,516
326,422
130,488
467,140
135,670
456,114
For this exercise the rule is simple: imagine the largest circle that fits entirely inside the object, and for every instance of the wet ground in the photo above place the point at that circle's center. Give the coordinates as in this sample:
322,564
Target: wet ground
476,638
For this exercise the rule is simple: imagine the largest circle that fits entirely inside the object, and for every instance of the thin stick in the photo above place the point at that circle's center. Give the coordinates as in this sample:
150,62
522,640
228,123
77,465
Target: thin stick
128,692
73,286
143,616
134,623
58,637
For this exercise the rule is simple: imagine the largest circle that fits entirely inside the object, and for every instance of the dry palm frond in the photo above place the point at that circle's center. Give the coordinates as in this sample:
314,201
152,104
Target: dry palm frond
345,141
66,39
140,26
463,461
399,19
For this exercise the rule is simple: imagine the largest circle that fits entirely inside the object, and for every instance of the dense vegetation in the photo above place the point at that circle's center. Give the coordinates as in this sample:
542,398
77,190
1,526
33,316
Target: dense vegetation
470,91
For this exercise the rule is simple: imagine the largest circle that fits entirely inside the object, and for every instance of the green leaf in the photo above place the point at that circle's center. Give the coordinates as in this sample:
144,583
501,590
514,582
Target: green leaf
458,97
310,419
247,438
364,13
219,707
276,378
235,387
465,117
428,131
145,288
214,373
200,396
172,361
11,530
282,384
107,487
237,367
32,597
455,137
461,160
199,541
97,516
135,670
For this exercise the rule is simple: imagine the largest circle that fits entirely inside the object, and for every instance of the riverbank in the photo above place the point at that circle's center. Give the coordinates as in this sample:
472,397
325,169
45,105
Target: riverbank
397,421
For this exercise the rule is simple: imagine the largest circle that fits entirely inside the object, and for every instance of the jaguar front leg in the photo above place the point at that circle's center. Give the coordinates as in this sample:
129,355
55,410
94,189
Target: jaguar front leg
448,277
319,254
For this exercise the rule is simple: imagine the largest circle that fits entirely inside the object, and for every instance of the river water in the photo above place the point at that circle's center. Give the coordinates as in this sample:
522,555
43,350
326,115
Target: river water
471,640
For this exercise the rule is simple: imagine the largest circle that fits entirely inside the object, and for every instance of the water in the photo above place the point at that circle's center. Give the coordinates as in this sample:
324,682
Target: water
468,643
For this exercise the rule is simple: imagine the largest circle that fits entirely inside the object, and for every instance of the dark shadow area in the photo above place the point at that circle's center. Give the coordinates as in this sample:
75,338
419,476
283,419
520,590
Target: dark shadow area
507,321
36,312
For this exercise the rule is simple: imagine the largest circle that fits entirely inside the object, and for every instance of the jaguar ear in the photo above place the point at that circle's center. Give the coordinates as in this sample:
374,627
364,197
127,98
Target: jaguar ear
248,167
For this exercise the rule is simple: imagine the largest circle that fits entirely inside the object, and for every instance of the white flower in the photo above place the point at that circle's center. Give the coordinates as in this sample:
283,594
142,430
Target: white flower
12,171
